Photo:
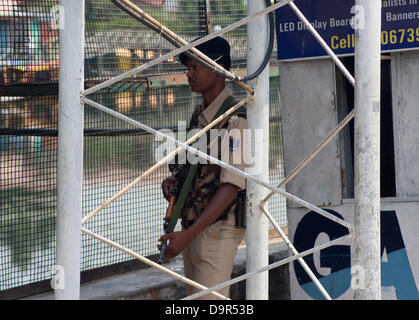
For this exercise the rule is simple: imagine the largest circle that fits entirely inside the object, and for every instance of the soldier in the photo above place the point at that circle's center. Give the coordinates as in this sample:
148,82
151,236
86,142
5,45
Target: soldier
213,210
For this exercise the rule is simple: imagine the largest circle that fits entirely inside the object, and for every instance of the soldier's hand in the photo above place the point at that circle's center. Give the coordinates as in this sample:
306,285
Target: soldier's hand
167,185
177,241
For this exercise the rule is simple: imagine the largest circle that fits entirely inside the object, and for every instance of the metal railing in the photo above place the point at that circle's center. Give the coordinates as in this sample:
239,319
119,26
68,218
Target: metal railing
186,146
114,153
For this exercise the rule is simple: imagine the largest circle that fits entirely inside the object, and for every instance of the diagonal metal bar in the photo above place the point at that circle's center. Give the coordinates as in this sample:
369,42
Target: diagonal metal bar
207,157
169,35
295,252
184,48
270,266
150,263
343,123
164,160
220,163
176,40
316,150
322,43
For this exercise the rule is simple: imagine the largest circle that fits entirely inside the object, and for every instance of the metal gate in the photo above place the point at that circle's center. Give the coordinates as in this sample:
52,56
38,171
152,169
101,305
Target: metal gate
366,196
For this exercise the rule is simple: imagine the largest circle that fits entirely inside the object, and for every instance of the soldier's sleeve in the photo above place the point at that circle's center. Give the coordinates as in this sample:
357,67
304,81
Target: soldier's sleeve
233,151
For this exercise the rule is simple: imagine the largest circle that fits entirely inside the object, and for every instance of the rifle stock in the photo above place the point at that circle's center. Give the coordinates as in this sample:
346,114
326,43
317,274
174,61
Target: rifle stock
170,208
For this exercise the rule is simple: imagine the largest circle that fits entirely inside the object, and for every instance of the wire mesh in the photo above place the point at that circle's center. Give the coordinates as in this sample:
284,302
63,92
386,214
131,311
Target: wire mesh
27,190
114,152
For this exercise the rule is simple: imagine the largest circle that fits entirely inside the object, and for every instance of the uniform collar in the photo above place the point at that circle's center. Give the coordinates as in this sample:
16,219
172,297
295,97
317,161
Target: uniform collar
210,111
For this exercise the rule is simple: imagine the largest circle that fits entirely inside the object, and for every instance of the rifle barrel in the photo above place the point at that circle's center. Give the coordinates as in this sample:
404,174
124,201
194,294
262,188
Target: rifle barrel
163,250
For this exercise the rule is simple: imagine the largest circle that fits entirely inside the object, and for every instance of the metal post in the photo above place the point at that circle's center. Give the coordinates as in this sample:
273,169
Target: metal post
70,151
208,16
257,249
367,149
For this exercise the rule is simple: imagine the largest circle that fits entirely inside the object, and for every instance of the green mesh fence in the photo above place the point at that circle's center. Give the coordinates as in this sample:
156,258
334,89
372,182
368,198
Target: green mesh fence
114,152
28,42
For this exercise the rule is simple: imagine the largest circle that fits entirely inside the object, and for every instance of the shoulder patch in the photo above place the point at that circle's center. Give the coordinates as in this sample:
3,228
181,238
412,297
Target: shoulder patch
233,118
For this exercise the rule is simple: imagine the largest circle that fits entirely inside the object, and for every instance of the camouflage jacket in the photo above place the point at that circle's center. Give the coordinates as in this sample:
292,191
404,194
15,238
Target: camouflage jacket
206,180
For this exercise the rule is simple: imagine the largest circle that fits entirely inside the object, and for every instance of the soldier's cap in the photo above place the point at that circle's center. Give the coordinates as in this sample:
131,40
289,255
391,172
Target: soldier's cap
218,49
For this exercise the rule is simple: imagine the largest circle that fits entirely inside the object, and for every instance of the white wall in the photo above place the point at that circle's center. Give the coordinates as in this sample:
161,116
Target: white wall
308,112
405,82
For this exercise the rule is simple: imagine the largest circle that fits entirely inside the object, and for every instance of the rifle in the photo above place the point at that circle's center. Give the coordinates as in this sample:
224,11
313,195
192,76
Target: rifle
186,175
174,192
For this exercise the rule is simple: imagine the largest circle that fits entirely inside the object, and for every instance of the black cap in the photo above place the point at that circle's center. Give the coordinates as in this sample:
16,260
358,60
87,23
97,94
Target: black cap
218,49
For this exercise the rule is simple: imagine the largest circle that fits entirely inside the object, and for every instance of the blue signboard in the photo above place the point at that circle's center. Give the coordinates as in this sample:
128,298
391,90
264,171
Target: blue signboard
335,20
